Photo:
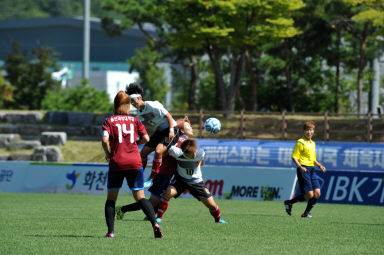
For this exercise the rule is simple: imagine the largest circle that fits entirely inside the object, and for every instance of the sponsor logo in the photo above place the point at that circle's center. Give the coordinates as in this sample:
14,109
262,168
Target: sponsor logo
72,177
255,191
6,175
215,187
358,189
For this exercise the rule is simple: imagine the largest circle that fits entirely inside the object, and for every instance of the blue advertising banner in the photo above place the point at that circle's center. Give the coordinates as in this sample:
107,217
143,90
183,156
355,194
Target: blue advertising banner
355,171
346,187
353,188
334,155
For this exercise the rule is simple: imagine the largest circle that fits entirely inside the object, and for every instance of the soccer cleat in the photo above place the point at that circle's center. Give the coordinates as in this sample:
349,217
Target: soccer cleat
288,207
221,221
119,213
111,235
158,220
306,215
148,183
157,231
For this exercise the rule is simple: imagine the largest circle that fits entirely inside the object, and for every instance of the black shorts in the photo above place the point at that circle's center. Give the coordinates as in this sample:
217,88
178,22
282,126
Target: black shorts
198,190
135,179
308,181
160,183
161,136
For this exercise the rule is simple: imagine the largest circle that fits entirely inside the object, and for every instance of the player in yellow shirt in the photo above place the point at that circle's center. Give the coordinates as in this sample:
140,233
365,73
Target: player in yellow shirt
304,156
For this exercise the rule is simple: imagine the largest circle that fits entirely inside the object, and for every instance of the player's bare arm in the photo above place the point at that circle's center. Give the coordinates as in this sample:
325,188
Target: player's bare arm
171,128
303,169
143,139
106,147
320,166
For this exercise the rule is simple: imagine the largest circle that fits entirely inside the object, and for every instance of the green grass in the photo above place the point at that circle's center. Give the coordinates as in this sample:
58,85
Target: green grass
38,223
83,151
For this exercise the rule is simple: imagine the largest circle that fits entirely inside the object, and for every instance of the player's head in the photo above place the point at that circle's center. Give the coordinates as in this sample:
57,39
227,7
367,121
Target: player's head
185,127
309,129
136,93
122,103
134,88
189,148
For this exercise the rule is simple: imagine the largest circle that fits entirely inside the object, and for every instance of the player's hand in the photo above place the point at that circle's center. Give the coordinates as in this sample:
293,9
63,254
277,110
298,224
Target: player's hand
323,168
171,135
303,169
108,157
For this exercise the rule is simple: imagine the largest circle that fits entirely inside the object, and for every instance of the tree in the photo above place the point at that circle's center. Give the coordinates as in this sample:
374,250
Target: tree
81,98
145,62
303,56
30,75
225,30
6,90
21,9
222,30
142,12
366,23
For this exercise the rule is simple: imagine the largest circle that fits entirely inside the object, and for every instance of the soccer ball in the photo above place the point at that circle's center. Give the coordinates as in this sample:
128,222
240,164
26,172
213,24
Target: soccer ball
212,126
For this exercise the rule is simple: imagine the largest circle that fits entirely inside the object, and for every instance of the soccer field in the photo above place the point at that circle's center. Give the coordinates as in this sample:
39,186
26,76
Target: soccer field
39,223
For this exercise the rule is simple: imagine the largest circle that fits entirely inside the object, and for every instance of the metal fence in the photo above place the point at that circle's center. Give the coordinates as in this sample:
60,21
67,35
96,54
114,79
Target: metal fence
288,126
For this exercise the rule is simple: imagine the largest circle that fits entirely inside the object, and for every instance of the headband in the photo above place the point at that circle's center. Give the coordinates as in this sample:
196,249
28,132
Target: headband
134,95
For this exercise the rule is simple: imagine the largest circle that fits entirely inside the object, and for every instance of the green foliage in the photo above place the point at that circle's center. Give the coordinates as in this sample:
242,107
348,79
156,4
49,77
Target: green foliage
370,11
321,36
6,90
30,75
180,90
152,76
195,28
21,9
267,193
81,98
228,195
201,23
206,97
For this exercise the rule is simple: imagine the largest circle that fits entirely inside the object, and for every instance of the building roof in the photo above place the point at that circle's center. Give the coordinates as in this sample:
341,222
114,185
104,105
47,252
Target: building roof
65,36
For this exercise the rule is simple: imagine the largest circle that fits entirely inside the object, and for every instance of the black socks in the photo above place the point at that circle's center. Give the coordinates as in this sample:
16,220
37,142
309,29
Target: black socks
131,207
147,208
109,210
311,203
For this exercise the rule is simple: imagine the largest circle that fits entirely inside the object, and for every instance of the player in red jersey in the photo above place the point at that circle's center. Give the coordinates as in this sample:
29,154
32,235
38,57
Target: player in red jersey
119,141
163,176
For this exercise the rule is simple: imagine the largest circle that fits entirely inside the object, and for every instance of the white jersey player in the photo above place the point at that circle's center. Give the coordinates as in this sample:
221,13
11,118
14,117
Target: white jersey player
154,113
188,168
188,177
166,133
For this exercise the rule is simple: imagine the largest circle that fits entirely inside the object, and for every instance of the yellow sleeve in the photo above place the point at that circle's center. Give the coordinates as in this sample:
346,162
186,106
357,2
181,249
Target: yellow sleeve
296,151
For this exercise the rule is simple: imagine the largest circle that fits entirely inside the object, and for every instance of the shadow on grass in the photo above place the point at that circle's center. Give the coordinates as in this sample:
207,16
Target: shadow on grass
71,236
263,214
357,223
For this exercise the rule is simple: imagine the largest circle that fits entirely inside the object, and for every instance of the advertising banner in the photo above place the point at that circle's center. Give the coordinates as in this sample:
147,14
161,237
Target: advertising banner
346,187
234,182
249,183
334,155
234,169
48,177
